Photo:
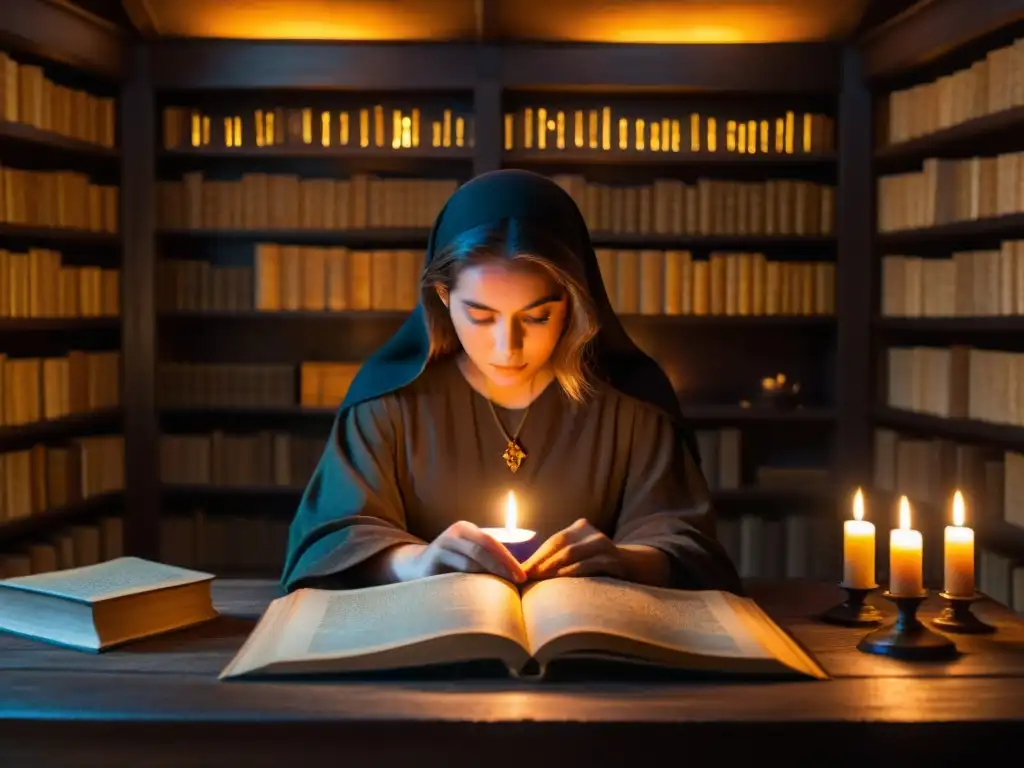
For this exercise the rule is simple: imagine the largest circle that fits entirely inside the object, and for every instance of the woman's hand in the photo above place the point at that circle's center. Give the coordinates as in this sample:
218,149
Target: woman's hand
461,548
579,550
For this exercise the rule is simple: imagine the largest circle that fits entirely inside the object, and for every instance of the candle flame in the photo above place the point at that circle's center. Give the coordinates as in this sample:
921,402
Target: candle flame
858,505
510,512
904,513
959,513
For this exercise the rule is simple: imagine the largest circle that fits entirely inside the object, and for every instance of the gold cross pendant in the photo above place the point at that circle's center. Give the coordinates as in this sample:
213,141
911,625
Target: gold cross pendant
513,455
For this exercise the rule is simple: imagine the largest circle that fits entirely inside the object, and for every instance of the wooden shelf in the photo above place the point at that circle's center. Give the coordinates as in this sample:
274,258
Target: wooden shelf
54,324
755,493
42,521
618,157
1002,537
313,151
989,324
693,412
996,227
419,237
77,425
1004,436
753,415
255,412
253,315
935,144
749,494
384,238
55,235
697,242
28,135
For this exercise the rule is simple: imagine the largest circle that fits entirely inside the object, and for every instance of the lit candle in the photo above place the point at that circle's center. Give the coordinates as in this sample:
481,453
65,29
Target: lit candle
906,576
858,548
520,542
959,553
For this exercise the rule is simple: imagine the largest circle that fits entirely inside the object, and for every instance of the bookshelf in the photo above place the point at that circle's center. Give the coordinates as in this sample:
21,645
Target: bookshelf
191,298
948,405
61,448
244,291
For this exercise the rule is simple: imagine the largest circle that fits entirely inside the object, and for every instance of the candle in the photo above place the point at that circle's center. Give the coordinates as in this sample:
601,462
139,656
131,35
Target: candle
520,542
858,548
959,553
906,576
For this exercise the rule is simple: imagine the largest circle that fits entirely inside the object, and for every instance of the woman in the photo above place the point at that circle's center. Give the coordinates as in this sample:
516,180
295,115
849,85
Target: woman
513,374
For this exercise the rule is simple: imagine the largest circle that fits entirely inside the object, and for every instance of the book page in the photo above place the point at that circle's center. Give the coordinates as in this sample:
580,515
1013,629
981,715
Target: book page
104,581
363,621
701,623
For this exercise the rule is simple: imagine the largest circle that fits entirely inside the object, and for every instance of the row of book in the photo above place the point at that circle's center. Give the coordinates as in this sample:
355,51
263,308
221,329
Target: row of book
239,385
375,127
58,200
28,96
608,129
709,207
34,389
958,382
291,278
949,190
39,284
259,460
46,477
965,284
69,546
928,471
991,84
722,462
286,201
651,282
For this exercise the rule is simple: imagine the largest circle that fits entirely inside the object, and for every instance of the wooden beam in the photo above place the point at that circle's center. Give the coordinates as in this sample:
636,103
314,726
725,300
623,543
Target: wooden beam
138,310
63,32
856,278
485,12
141,18
780,68
256,64
783,68
930,29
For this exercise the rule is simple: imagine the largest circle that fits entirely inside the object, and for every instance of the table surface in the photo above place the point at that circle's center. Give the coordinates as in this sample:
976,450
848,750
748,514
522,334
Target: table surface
166,686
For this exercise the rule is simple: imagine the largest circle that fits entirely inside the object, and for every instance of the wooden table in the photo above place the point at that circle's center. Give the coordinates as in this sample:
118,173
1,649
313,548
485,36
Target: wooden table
158,703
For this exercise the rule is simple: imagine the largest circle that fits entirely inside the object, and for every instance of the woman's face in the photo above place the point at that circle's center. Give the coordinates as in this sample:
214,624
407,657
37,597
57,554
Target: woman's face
509,317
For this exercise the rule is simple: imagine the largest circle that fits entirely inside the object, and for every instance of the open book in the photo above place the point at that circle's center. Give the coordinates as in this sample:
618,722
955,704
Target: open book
96,607
456,618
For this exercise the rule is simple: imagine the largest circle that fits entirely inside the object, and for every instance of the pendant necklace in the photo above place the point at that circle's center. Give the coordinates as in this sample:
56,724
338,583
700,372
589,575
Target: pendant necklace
514,453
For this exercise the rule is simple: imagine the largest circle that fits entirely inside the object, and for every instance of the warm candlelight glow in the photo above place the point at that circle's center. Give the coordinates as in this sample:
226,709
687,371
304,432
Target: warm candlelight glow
959,552
521,542
906,573
511,511
904,514
858,548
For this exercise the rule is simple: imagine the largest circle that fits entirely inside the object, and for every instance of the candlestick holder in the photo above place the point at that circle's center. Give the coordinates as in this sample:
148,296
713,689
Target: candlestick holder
957,616
854,611
908,639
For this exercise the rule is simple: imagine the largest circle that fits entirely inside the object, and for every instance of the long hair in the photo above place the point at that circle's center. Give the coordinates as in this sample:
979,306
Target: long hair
513,240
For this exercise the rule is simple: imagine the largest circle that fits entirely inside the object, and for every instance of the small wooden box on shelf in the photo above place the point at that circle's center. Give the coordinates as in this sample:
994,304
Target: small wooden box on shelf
950,395
61,457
